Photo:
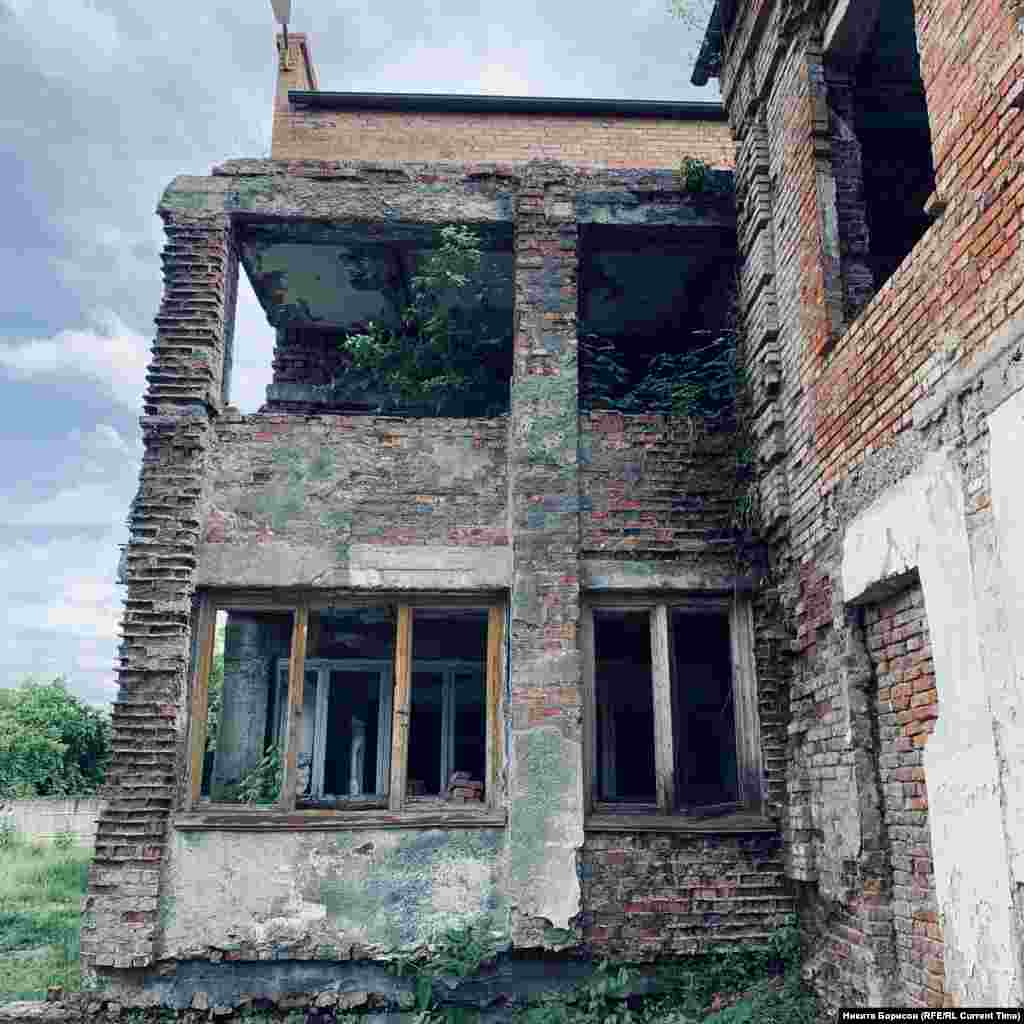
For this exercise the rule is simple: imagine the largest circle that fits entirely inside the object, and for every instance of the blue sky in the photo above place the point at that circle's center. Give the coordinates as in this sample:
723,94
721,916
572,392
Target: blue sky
103,103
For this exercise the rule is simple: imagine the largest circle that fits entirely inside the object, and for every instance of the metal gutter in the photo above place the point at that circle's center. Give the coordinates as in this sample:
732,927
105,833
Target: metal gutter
441,103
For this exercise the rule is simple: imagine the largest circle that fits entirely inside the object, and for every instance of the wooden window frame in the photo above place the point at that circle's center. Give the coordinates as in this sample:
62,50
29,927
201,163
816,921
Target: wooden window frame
745,703
396,808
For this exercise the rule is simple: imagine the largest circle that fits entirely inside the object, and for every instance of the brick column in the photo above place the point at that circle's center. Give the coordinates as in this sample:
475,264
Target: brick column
546,815
120,911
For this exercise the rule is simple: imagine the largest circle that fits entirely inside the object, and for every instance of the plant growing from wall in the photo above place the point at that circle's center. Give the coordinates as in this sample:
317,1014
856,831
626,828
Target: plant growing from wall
440,355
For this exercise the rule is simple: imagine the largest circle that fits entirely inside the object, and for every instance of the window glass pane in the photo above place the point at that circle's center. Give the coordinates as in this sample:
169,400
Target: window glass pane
447,745
704,709
346,733
245,700
625,706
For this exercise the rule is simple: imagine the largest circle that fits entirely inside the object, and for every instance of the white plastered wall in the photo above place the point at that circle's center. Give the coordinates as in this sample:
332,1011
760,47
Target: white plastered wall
920,524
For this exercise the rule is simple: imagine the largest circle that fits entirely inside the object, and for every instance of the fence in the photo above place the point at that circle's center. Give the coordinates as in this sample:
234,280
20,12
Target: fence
45,818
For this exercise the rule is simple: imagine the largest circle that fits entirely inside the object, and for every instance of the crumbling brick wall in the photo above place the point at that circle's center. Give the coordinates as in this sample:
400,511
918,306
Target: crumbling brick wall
849,397
907,706
651,894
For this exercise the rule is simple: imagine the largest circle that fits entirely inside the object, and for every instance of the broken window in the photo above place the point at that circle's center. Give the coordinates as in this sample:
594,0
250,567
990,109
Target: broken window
373,697
400,288
667,731
655,319
881,144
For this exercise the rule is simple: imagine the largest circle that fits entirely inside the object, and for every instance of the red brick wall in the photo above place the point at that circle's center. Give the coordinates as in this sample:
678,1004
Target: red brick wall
907,708
650,485
651,894
840,427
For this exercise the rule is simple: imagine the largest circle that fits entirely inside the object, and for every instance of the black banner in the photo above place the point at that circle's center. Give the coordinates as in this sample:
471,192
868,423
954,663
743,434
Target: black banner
913,1014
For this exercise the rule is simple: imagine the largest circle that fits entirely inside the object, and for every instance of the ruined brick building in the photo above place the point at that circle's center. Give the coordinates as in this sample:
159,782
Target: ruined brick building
671,733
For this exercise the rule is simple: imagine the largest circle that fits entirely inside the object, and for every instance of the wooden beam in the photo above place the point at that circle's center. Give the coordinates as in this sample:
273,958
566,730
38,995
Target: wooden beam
589,706
664,759
745,702
495,688
403,692
206,622
293,725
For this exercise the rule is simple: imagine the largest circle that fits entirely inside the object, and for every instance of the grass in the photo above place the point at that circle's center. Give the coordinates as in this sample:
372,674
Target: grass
41,886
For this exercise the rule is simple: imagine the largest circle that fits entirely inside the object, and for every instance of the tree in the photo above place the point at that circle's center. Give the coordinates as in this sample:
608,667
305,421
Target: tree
51,743
445,353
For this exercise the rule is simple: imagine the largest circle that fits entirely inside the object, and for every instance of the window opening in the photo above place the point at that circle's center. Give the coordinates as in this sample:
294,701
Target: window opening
655,319
664,683
704,711
625,706
447,726
241,762
322,285
344,739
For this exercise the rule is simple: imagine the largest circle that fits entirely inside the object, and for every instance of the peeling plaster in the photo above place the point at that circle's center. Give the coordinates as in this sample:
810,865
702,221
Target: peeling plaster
546,826
383,892
923,519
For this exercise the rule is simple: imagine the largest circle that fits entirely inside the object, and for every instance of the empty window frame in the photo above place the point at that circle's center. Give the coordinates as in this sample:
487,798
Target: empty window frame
346,707
672,706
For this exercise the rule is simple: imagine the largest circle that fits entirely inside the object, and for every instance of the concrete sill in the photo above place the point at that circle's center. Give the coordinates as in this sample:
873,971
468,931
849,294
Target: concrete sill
739,821
336,821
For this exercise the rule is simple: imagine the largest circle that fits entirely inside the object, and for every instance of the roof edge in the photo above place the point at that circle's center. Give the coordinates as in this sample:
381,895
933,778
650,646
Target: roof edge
439,102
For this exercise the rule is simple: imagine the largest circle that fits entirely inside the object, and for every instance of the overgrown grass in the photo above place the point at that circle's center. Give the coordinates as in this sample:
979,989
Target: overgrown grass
41,887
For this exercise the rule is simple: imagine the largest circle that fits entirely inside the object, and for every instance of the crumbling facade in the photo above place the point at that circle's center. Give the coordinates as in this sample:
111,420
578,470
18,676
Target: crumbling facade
511,663
542,668
879,182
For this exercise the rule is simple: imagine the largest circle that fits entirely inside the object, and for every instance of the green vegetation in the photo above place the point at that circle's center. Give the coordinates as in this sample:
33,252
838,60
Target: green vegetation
443,354
760,984
51,744
702,383
41,887
263,784
215,689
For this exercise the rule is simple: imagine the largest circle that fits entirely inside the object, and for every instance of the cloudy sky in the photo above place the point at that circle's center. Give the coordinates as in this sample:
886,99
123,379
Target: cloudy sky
103,102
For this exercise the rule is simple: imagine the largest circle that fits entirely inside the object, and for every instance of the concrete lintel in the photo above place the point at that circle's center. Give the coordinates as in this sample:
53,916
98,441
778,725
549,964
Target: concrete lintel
430,566
627,209
715,574
280,563
303,198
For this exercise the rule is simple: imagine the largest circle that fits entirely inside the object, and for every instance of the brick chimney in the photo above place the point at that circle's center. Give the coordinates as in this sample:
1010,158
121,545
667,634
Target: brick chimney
294,71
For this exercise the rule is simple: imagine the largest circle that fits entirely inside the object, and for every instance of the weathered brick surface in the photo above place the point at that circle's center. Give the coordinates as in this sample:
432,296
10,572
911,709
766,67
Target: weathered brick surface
544,661
653,894
852,369
119,911
608,141
650,484
907,707
340,480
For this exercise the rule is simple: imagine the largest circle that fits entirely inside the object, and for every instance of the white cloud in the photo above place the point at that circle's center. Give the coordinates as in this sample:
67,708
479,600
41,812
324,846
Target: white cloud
109,353
501,80
87,487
